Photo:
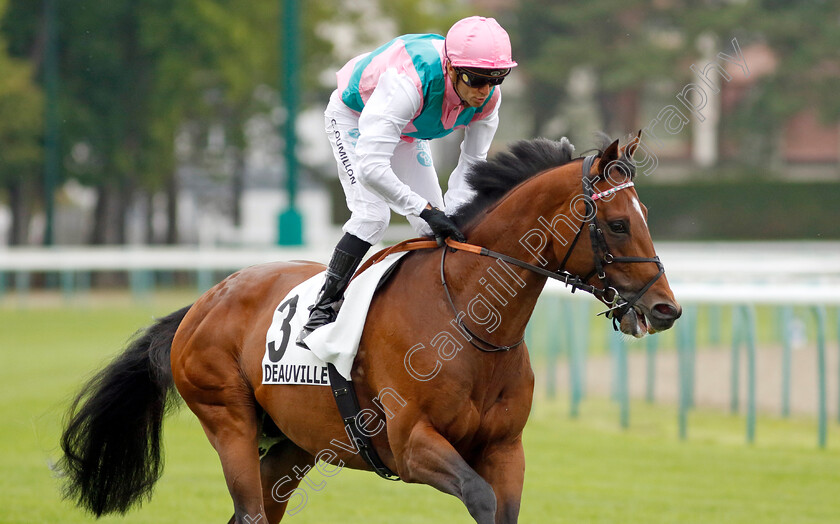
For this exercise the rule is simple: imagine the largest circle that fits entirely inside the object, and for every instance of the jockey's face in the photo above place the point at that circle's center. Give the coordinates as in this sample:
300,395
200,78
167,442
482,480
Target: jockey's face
470,96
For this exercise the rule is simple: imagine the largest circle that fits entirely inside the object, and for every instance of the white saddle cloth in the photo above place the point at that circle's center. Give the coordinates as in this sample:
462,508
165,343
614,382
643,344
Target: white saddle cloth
336,343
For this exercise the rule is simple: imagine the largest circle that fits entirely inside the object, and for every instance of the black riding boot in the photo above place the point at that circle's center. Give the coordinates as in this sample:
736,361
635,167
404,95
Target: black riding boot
339,271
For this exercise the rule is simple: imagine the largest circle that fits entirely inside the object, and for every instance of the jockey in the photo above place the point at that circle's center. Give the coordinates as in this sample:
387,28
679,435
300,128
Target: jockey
388,105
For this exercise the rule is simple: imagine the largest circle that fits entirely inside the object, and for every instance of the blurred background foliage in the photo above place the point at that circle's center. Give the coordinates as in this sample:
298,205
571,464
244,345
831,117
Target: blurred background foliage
145,85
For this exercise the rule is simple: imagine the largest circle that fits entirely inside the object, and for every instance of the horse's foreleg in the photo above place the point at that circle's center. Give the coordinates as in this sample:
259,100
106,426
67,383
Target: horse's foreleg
428,458
503,466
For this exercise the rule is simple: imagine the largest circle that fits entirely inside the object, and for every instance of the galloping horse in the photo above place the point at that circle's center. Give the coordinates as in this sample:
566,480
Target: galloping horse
442,373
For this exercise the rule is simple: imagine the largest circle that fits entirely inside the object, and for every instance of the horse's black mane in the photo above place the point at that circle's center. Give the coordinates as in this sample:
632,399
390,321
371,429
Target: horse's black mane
493,178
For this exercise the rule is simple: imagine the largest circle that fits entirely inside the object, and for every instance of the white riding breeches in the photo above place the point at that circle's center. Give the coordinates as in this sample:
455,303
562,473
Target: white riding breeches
411,162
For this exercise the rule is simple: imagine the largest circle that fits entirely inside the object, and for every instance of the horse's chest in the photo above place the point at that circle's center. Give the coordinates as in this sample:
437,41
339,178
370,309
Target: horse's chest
503,417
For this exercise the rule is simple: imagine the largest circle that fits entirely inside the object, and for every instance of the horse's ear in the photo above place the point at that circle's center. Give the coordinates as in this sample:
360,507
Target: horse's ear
609,155
630,148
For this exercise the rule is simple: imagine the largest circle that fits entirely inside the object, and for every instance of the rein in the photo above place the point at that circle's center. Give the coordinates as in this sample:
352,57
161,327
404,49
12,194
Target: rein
488,347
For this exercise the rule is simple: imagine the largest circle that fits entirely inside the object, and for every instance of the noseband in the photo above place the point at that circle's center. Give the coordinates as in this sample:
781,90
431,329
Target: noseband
618,306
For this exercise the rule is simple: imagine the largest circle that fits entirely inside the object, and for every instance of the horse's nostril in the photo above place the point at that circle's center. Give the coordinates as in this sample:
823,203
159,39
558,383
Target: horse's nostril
666,310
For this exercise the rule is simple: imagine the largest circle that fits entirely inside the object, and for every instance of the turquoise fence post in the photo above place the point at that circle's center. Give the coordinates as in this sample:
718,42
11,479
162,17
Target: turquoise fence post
620,393
819,312
204,278
614,344
134,284
582,326
682,366
735,368
651,345
140,281
2,283
686,342
623,386
749,320
67,284
166,279
575,379
690,319
22,285
785,315
553,341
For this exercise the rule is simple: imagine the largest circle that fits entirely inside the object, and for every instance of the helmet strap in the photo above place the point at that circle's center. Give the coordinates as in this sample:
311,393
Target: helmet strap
449,67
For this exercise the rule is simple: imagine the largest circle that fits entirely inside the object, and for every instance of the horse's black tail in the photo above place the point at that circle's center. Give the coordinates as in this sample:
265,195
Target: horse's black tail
112,439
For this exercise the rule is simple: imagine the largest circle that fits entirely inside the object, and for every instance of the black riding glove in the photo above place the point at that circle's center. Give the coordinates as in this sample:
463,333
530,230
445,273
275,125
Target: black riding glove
442,226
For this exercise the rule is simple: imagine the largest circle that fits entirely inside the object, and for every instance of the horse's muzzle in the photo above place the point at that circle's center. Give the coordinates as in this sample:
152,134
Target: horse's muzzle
642,319
661,316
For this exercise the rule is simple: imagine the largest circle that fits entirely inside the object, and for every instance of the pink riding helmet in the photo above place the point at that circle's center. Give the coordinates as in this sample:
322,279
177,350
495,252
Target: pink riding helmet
478,42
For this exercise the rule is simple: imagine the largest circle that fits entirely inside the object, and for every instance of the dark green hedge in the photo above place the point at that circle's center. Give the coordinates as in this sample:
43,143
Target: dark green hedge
749,210
743,211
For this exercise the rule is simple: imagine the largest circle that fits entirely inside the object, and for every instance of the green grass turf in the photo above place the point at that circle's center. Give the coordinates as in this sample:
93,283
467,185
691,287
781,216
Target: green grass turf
582,470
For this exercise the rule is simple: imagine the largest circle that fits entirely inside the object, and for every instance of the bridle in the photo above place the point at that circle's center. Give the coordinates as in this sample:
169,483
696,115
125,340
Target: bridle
618,306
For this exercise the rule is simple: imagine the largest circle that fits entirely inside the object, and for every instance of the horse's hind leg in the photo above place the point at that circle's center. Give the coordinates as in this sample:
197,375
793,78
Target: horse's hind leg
282,469
233,432
428,458
229,419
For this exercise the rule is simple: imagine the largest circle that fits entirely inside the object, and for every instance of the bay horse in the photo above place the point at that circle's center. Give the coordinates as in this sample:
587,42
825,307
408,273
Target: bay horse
442,373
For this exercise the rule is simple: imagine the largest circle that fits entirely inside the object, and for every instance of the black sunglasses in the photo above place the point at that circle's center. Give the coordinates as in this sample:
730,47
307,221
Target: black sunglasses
480,78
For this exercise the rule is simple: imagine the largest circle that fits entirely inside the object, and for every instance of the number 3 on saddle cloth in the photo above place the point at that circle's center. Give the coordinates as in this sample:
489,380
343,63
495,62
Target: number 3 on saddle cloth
285,362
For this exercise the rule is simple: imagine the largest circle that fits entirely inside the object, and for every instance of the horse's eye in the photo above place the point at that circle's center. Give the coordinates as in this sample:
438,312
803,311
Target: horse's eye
618,227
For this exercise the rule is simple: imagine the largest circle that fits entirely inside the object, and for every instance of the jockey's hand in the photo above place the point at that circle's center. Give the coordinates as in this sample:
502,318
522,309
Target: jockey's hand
441,225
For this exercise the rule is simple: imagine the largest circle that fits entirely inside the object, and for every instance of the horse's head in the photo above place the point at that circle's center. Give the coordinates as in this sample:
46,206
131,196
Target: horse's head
623,257
588,221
